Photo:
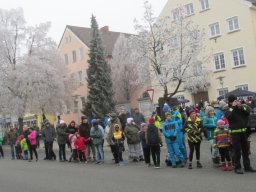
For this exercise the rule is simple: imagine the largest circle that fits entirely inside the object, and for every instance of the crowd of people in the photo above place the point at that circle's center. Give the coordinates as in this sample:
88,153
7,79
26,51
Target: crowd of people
224,125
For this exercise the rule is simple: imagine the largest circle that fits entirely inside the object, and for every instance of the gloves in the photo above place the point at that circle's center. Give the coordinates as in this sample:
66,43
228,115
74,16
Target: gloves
173,138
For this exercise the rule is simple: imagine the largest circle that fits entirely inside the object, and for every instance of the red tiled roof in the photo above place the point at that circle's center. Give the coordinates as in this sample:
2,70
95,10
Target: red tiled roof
108,37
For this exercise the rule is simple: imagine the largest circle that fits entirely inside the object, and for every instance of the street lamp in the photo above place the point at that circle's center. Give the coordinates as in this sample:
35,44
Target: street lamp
220,78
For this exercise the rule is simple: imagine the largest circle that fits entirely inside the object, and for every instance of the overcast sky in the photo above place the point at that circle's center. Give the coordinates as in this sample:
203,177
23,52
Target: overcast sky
117,14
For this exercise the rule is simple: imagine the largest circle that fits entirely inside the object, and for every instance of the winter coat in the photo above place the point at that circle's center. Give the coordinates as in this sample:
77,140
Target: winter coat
97,135
222,137
170,129
194,130
49,133
1,140
84,130
210,125
61,134
219,113
32,137
138,118
118,137
111,130
80,143
71,130
143,139
12,136
132,134
24,145
157,137
237,117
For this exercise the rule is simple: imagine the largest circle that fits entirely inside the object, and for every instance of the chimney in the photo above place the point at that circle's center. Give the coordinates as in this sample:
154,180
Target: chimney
104,29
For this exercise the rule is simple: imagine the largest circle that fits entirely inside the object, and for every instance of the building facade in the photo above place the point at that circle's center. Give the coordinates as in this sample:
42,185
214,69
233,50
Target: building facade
230,27
74,49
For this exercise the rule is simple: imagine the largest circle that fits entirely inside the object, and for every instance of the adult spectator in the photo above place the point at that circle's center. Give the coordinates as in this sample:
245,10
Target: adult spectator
138,117
49,135
12,137
62,140
237,115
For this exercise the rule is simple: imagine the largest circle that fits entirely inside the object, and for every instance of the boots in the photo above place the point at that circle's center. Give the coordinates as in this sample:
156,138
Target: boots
198,164
223,166
229,166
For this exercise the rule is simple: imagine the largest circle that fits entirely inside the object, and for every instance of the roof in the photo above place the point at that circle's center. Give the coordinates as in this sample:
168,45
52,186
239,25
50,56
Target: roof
108,37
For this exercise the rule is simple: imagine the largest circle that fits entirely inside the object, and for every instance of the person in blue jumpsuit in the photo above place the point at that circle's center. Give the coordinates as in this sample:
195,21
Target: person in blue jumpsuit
177,117
170,131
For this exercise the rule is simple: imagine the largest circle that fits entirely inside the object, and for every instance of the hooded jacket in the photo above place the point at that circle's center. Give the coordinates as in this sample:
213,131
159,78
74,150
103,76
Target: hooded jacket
132,134
32,137
24,145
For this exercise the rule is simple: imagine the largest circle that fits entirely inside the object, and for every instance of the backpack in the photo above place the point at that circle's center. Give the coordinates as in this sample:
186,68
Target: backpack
152,135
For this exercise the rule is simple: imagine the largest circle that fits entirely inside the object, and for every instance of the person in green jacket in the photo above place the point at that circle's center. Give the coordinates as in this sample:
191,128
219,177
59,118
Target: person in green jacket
24,146
1,148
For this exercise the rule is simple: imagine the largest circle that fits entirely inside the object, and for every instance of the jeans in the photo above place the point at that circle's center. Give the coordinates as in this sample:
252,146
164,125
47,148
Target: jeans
99,152
12,144
62,152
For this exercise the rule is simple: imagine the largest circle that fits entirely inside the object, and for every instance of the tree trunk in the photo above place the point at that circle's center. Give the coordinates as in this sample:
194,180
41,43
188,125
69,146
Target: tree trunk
165,93
20,124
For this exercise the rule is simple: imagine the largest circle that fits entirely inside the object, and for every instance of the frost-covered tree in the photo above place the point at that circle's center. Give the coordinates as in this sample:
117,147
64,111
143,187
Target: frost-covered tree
32,76
101,95
126,75
174,50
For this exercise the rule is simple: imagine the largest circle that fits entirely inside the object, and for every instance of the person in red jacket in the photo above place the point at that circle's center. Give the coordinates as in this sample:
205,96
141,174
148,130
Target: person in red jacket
80,147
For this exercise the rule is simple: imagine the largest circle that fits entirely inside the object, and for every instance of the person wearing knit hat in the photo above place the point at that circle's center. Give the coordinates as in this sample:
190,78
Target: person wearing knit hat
222,142
210,124
154,141
238,116
133,140
194,129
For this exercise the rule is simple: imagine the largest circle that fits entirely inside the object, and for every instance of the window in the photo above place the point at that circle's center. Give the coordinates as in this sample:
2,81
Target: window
175,14
242,87
204,4
80,75
223,91
81,53
66,59
83,101
174,42
75,100
219,61
189,9
74,56
233,24
238,57
67,106
214,29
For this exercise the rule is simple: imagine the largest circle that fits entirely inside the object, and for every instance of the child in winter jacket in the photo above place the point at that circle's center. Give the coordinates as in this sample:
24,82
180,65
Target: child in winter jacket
80,147
118,139
210,124
24,146
72,138
18,150
170,132
222,142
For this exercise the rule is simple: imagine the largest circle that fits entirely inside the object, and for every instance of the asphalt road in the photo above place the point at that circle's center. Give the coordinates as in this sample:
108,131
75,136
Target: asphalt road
53,176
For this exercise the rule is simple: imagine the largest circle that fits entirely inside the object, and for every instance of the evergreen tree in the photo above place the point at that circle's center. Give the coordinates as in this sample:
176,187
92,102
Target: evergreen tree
101,96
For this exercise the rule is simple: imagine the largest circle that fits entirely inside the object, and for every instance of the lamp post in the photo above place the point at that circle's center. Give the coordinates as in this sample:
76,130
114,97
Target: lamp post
220,78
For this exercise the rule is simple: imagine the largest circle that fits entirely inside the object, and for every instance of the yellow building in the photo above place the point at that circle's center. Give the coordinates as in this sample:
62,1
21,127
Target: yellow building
230,27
